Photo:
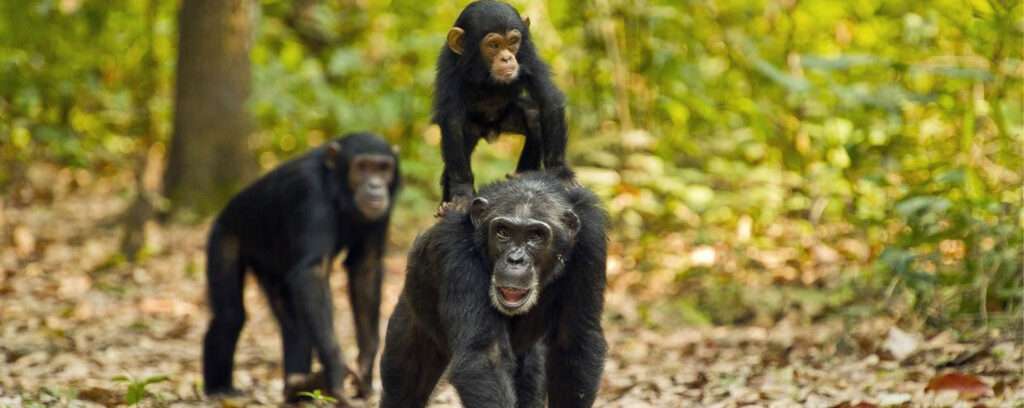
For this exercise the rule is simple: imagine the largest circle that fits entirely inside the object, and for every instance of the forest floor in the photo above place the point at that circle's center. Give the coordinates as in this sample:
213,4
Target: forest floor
73,317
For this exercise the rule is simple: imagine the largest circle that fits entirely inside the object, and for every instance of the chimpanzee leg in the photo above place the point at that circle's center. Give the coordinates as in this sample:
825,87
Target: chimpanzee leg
225,279
529,159
309,289
525,120
574,364
365,273
411,363
530,378
555,138
298,351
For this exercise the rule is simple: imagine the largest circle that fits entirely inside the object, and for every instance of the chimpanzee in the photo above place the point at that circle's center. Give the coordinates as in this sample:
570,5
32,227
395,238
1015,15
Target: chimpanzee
490,80
507,297
286,228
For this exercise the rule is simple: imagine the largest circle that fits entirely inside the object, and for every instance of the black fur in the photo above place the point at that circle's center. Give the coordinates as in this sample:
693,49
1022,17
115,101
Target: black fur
445,318
286,228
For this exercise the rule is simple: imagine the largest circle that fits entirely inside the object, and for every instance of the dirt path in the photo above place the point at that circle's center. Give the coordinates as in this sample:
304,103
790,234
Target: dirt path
72,317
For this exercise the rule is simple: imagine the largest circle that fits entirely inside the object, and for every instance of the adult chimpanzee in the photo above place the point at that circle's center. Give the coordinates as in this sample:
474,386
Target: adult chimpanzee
501,294
286,228
490,80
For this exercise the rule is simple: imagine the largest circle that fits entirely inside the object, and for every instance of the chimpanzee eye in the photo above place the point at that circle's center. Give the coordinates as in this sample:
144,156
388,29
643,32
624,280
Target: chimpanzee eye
535,237
494,46
502,233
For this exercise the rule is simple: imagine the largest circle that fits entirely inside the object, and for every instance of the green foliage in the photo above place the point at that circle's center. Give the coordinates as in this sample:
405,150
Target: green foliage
816,143
137,388
67,72
318,398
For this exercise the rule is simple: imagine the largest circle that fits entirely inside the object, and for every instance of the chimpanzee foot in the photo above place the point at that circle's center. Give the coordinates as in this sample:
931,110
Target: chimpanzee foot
457,204
565,174
363,389
220,393
442,209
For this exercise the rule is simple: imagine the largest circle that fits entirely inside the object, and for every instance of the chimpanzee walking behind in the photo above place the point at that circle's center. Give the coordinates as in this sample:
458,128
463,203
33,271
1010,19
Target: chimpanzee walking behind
286,228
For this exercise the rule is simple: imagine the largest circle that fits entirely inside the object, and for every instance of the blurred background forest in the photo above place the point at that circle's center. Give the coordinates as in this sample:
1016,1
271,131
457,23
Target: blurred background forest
757,157
814,202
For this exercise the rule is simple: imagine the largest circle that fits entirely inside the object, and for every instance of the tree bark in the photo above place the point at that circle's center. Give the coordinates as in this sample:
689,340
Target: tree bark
209,157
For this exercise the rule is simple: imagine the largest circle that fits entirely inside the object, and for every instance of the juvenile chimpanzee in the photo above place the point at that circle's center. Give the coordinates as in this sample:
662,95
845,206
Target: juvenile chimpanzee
286,228
490,80
501,295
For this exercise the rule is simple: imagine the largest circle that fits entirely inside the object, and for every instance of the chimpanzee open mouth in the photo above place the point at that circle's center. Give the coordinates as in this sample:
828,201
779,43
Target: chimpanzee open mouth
513,297
513,301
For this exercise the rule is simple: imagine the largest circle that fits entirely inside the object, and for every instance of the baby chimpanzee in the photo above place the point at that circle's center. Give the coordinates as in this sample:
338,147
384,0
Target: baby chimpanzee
490,80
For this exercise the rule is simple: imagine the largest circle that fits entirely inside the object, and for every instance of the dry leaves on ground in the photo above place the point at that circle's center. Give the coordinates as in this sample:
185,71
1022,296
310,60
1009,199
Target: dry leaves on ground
73,317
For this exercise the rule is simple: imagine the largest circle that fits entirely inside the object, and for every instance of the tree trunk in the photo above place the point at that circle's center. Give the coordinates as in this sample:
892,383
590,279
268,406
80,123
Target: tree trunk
209,157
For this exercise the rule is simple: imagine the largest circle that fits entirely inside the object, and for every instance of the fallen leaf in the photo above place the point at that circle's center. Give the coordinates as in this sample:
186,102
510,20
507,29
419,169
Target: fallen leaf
100,396
887,399
173,307
74,286
861,404
24,241
900,343
968,386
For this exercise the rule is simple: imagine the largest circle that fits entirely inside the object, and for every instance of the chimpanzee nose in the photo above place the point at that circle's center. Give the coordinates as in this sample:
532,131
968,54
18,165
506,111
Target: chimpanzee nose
506,58
516,257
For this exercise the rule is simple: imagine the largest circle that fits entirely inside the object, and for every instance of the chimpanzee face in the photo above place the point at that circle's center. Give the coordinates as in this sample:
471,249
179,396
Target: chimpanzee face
369,176
525,242
499,53
502,35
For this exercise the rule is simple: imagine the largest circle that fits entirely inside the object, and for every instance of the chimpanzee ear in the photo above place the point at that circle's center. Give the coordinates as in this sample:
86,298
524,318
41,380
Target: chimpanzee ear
455,39
572,222
526,21
476,210
333,155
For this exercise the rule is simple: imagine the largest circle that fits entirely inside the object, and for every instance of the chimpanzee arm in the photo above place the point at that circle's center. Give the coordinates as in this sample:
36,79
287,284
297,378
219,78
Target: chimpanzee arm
309,289
482,364
457,177
530,390
308,282
576,345
365,272
551,102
